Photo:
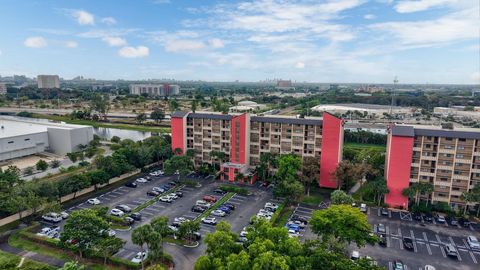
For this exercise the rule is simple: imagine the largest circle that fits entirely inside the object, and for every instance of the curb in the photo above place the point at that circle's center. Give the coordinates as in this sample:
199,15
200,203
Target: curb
193,246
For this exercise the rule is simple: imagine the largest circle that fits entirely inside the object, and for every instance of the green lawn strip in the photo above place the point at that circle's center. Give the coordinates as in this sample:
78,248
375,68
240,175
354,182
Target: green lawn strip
216,205
277,213
155,199
11,261
312,200
16,240
9,226
101,124
177,241
283,217
360,146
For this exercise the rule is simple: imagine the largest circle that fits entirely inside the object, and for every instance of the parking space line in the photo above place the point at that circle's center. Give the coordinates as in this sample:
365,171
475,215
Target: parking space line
399,232
415,246
459,257
388,241
190,217
465,242
443,251
428,248
425,236
438,239
451,241
473,257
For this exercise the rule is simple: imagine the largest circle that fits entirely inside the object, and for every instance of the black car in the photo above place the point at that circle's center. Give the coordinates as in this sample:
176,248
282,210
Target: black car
384,212
152,193
166,187
464,222
299,218
219,191
417,216
382,240
136,216
428,217
408,243
179,194
198,209
452,221
131,184
148,178
128,221
172,184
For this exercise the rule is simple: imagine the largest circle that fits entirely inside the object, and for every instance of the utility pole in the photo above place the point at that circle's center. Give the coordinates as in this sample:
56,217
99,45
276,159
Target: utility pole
395,81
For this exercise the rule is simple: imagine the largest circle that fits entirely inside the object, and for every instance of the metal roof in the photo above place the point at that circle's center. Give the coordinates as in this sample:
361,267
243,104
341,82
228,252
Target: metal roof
411,131
403,131
179,114
296,121
210,116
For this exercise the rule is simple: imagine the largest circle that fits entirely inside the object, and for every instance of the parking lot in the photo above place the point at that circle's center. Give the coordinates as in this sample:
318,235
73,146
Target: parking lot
428,238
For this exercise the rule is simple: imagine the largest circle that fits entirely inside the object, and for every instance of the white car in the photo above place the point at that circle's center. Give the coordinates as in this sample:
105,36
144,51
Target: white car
158,189
429,267
243,233
173,228
116,212
108,232
265,212
363,208
142,180
259,215
180,220
64,214
44,231
93,201
160,172
203,203
441,219
271,205
165,199
141,256
52,217
172,196
473,242
355,255
209,220
218,213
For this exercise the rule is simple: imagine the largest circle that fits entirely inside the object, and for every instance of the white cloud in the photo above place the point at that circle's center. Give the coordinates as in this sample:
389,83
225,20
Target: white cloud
109,21
216,43
184,45
0,52
159,2
83,17
115,41
71,44
134,52
300,65
457,26
476,77
369,16
35,42
408,6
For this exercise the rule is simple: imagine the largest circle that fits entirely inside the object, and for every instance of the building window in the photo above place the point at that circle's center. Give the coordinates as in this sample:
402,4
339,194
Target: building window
27,139
459,156
10,142
460,147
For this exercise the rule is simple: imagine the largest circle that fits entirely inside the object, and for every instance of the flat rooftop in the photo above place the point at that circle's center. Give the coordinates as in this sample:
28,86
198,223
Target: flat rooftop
357,106
11,126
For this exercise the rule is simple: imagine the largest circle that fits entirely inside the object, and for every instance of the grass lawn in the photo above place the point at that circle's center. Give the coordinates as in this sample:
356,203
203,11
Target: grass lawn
216,205
359,146
9,226
102,124
317,195
10,261
284,216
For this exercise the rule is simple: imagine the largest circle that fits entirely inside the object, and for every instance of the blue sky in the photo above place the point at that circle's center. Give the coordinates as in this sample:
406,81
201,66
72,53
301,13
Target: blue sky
420,41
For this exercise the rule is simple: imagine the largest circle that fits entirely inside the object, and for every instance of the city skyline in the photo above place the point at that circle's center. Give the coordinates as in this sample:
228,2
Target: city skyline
426,41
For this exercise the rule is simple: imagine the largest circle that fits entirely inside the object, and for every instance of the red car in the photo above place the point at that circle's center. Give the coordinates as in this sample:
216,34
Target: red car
209,198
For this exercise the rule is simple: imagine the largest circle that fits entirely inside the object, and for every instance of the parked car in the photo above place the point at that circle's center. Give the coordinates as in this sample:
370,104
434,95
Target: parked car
209,198
136,216
64,215
229,205
381,228
203,203
452,221
408,243
464,222
355,255
299,218
429,267
219,191
128,221
171,183
271,205
141,180
152,193
108,232
398,265
52,217
131,184
124,208
384,212
428,217
209,220
141,256
116,212
218,213
382,240
363,208
417,216
148,178
450,250
441,219
158,189
93,201
473,242
224,209
198,209
166,187
165,199
179,194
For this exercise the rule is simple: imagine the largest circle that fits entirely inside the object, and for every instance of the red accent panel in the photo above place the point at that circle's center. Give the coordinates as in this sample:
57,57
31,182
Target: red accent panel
178,136
332,146
238,139
399,158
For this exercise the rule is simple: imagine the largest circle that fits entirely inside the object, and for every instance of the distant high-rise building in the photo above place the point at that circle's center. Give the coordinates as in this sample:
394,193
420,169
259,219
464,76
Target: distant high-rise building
284,84
155,89
3,88
48,81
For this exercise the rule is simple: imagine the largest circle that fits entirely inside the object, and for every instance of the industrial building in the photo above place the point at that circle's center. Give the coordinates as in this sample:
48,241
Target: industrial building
246,106
244,137
21,137
154,90
369,110
447,158
48,81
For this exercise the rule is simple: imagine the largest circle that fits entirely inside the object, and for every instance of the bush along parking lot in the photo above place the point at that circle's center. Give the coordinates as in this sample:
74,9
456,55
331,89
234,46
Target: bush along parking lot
239,190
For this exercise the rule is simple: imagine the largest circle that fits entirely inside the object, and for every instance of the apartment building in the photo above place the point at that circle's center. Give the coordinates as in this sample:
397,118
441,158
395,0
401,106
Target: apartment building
164,89
48,81
244,137
447,158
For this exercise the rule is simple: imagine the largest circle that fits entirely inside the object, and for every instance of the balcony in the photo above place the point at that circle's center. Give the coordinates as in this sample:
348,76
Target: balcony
461,177
429,158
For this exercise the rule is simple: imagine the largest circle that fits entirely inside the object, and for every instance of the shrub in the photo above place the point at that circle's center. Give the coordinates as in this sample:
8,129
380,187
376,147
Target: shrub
115,139
55,163
28,170
41,165
239,190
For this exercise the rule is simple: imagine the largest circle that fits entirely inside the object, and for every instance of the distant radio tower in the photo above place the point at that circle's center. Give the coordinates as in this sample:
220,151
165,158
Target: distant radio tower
395,81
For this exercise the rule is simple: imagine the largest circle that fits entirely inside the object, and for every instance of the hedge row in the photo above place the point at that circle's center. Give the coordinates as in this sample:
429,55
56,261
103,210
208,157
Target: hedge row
238,190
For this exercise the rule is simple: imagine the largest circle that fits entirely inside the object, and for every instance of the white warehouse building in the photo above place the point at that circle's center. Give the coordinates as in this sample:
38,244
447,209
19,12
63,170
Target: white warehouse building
22,137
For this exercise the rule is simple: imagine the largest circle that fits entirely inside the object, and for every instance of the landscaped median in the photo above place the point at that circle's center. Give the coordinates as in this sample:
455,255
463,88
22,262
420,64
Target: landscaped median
10,261
224,199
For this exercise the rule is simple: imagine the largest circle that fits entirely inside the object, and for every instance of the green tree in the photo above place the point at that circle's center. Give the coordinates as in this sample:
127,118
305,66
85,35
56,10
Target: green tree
97,177
173,105
101,104
187,230
41,165
28,170
160,225
55,163
72,156
181,163
107,247
472,196
346,174
343,223
379,189
72,266
115,139
310,172
340,197
286,177
222,242
83,228
193,106
141,117
157,115
141,236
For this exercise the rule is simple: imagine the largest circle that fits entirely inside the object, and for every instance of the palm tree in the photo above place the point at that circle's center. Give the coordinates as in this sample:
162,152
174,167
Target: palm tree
412,192
427,189
141,236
